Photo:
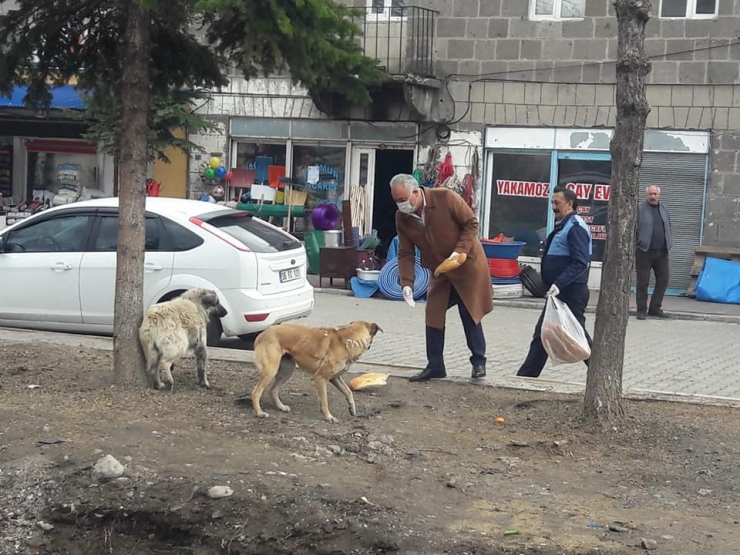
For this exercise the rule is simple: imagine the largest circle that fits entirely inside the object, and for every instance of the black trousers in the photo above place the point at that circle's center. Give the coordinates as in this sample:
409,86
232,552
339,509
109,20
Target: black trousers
473,335
657,261
576,297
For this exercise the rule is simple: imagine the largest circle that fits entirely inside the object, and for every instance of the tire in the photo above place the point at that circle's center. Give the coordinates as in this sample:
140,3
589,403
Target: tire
532,281
215,329
248,337
214,332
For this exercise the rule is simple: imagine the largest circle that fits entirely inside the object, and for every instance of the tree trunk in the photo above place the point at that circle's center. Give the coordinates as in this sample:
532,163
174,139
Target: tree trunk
128,359
603,400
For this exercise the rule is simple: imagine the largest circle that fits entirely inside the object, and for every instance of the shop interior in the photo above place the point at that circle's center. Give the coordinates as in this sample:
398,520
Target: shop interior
520,205
387,164
38,173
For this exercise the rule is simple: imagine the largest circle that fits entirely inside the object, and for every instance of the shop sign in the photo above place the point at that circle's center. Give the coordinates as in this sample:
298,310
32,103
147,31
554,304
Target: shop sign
584,192
535,189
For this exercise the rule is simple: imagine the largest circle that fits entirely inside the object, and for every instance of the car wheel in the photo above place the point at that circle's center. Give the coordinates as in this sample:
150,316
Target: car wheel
249,337
214,332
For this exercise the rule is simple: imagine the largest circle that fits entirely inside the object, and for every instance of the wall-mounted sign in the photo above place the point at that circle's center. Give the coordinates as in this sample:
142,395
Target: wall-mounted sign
535,189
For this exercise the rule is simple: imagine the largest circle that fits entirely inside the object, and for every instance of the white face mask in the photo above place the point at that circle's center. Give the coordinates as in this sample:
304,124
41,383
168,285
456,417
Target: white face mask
405,207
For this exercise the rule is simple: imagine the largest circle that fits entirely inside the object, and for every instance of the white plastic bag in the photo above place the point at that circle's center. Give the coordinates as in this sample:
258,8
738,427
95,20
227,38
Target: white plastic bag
562,335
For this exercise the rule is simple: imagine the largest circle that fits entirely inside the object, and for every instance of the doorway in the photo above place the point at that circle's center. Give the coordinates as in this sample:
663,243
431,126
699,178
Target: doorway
387,164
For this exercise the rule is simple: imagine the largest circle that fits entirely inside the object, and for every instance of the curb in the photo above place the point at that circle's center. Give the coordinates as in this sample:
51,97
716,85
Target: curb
516,383
330,291
674,314
539,304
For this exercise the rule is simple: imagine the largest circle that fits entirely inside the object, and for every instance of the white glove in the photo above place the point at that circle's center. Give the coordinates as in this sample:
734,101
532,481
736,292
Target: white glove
408,296
554,291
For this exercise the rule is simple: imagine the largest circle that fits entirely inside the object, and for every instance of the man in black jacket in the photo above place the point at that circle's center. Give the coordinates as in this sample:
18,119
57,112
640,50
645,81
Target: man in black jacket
565,267
653,240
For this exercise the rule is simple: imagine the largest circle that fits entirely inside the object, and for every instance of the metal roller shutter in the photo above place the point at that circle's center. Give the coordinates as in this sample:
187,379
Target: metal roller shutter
681,178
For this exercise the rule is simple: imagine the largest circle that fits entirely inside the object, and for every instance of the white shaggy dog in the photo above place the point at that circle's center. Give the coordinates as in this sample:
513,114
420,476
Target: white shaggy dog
172,328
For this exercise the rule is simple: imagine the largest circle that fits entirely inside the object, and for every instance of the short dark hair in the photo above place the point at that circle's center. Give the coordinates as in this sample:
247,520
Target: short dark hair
569,195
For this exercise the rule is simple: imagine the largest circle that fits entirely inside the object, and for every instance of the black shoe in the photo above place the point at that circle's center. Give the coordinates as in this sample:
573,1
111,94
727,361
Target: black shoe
640,315
428,374
479,371
658,314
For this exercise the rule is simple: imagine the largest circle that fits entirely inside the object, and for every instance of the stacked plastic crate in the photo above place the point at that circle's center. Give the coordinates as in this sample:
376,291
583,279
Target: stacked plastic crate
503,265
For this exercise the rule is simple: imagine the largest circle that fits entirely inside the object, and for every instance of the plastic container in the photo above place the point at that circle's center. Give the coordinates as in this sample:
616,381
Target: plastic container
313,241
368,275
503,267
513,291
333,238
507,251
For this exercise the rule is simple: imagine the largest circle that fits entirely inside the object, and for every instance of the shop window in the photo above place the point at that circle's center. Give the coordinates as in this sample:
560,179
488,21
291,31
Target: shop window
557,9
520,198
60,234
65,168
590,180
321,170
260,163
688,9
6,166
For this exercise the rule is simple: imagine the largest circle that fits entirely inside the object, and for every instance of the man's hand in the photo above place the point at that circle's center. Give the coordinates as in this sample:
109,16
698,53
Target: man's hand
452,262
554,291
408,296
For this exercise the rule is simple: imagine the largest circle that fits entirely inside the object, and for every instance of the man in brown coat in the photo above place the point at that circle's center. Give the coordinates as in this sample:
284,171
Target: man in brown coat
445,230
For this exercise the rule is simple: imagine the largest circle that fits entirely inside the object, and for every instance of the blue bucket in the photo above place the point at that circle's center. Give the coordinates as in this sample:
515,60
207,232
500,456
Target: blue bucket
506,251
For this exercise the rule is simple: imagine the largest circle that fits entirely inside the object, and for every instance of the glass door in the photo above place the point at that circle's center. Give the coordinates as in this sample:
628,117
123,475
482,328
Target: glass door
589,176
362,186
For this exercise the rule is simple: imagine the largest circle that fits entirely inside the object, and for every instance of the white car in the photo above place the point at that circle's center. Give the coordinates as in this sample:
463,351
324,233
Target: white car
58,267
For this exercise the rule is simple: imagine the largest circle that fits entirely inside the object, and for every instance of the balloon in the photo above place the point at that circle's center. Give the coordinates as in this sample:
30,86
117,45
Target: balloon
215,162
209,173
220,172
229,175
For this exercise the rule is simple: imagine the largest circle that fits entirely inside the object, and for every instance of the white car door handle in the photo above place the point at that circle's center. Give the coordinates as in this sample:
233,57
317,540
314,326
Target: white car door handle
152,267
61,267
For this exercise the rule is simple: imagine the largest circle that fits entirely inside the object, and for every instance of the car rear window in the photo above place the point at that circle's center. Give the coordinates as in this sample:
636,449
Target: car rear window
255,234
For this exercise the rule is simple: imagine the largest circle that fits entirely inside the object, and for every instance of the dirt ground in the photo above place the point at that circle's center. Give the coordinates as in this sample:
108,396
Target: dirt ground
422,469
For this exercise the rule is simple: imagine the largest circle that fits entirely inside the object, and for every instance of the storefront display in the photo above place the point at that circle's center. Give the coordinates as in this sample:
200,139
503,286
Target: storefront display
525,164
6,166
321,170
254,156
60,172
519,198
590,180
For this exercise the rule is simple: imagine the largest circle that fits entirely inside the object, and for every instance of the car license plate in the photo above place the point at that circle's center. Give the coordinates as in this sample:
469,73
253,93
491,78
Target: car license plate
291,274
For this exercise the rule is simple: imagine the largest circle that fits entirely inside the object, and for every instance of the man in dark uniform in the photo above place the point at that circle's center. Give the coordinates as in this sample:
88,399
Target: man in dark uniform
565,266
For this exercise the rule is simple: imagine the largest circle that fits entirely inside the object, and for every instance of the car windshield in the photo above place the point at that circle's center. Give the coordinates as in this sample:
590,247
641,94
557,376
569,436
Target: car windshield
252,232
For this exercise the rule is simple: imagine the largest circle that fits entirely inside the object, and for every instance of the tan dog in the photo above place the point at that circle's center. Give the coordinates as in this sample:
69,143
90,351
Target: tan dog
325,353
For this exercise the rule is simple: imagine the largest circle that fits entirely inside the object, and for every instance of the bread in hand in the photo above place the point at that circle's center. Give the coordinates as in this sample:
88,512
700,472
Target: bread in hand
451,264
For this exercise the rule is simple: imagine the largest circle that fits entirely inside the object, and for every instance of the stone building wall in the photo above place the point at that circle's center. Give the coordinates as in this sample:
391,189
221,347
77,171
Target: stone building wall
504,69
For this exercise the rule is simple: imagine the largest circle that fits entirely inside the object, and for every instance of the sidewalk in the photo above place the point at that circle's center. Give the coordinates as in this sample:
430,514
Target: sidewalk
685,357
681,308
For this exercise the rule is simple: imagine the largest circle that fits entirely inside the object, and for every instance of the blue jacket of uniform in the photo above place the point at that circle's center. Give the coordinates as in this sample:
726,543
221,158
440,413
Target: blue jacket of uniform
567,256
